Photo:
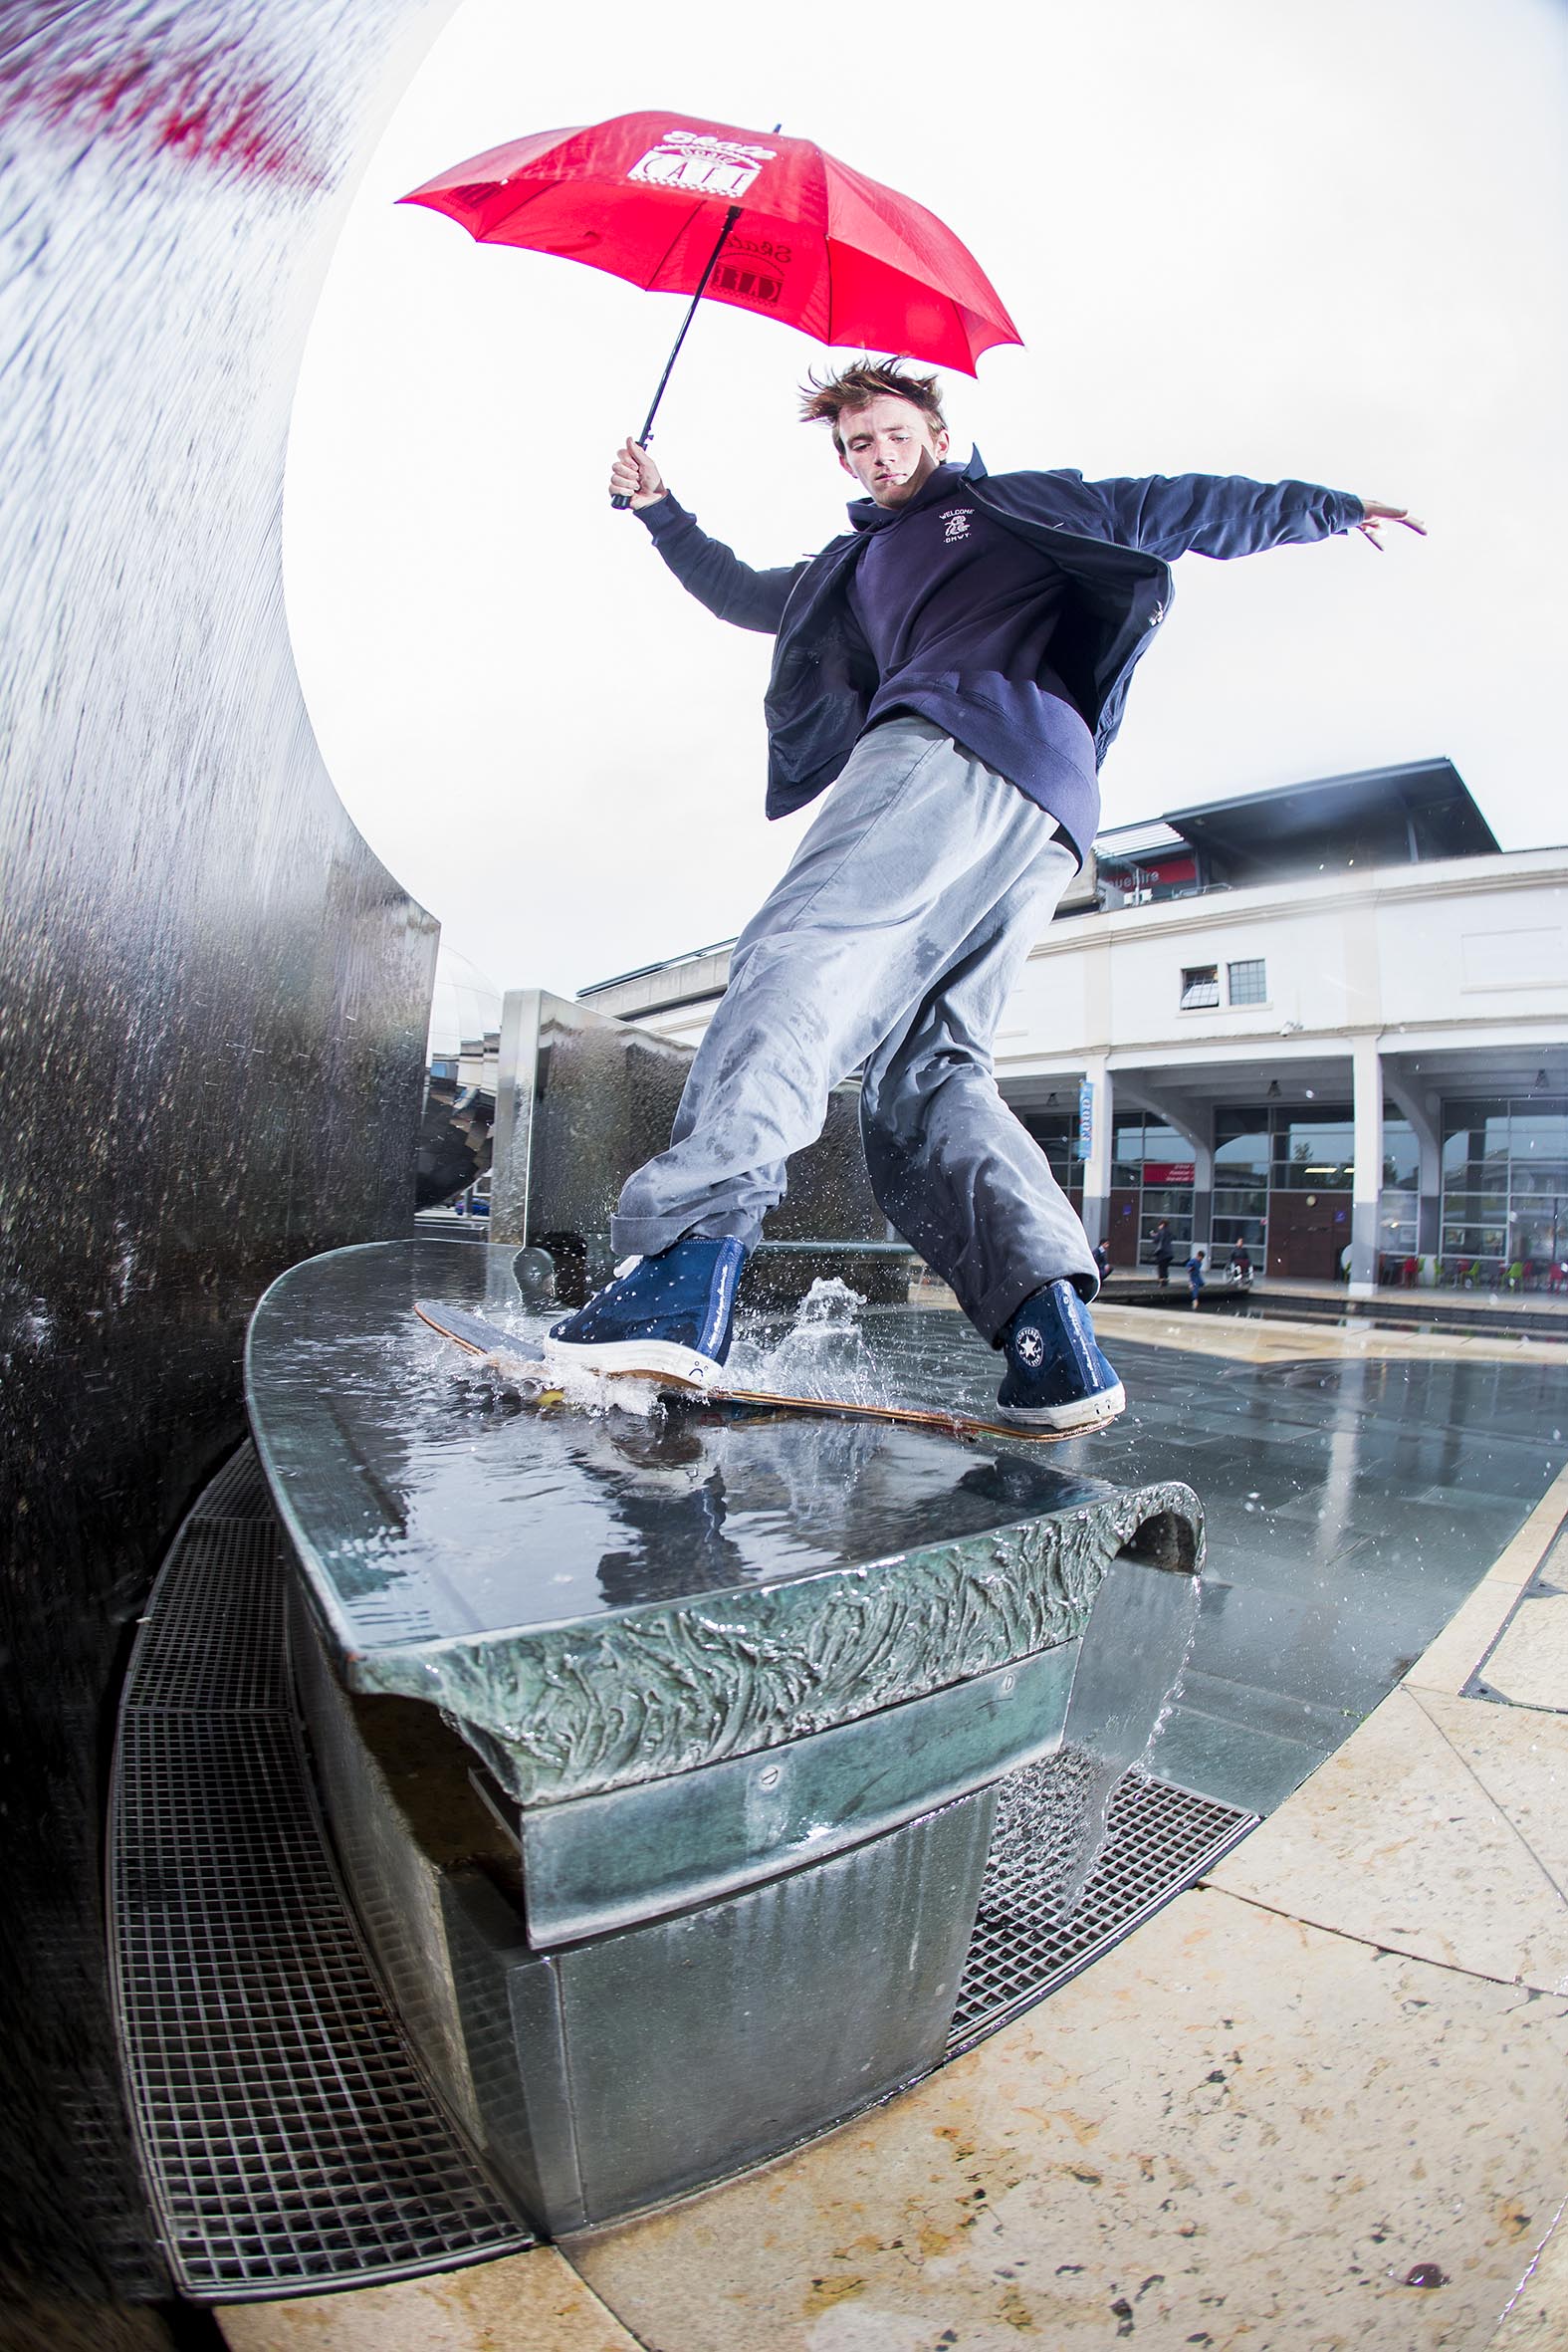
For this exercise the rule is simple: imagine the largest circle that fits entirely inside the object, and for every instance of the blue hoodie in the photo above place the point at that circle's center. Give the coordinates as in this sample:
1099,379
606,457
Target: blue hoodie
1114,540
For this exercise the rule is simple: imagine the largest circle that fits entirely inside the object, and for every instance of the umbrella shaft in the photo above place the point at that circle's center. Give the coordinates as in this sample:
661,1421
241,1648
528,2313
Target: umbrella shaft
730,219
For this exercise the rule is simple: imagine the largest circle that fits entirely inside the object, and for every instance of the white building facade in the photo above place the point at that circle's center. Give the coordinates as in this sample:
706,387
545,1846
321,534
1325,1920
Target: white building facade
1352,1066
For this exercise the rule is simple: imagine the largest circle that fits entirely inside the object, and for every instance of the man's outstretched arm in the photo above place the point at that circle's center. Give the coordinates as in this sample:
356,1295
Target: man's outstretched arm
1227,515
714,574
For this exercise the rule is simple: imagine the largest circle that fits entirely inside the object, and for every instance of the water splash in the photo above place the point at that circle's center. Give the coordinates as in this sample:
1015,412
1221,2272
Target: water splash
521,1369
824,1353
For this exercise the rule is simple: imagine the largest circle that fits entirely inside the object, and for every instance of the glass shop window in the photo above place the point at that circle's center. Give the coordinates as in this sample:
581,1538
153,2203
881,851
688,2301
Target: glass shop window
1126,1150
1241,1148
1181,1228
1397,1222
1401,1152
1475,1204
1474,1241
1547,1176
1249,982
1540,1136
1200,987
1163,1147
1056,1135
1228,1231
1475,1145
1315,1155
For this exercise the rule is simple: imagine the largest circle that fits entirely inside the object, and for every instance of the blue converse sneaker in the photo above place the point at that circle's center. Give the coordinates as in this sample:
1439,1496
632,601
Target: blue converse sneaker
1056,1377
671,1313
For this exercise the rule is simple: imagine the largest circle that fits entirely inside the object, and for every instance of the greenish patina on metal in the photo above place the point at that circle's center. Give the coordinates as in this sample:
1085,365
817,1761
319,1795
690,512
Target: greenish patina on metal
569,1710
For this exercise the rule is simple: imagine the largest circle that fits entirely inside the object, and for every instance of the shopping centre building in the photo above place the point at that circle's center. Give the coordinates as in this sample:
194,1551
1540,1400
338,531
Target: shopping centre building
1329,1022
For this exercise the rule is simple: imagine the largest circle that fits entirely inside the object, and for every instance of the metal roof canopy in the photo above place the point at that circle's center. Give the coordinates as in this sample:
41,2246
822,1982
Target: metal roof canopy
1332,808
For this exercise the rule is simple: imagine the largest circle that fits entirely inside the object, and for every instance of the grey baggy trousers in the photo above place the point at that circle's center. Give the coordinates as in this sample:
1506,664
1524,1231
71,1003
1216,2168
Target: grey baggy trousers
892,940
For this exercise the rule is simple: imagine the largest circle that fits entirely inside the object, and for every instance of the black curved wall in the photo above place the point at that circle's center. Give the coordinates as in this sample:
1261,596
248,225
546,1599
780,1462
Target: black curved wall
214,998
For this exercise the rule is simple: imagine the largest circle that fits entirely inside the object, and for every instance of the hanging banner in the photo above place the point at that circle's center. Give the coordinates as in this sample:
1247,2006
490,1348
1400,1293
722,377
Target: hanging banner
1085,1118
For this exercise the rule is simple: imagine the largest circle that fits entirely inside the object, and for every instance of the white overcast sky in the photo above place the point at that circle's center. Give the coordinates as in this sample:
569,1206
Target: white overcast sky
1323,239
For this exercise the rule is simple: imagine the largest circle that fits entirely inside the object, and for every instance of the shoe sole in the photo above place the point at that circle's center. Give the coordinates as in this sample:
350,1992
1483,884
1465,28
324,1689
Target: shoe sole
661,1358
1089,1412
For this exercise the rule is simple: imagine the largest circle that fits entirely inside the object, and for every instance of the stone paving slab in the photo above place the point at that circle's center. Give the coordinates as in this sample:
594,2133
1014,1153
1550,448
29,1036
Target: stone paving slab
1529,1665
533,2303
1534,1555
1440,1829
1538,2318
1235,2130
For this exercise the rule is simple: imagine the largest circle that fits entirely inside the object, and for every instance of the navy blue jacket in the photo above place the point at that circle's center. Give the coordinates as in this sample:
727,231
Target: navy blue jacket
1115,541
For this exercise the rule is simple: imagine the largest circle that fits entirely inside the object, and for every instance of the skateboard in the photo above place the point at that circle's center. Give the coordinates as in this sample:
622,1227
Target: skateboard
481,1338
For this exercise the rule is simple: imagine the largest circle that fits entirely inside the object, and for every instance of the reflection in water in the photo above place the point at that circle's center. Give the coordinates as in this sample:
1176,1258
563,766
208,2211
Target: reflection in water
671,1501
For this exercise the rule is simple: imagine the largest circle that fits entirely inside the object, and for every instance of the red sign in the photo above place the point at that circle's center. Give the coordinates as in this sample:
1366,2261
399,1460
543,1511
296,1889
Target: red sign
1169,1171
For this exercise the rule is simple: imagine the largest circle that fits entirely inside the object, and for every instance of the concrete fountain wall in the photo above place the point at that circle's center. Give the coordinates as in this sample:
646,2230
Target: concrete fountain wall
214,996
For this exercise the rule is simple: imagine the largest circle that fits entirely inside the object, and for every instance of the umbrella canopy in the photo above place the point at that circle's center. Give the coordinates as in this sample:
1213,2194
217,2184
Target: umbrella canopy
804,238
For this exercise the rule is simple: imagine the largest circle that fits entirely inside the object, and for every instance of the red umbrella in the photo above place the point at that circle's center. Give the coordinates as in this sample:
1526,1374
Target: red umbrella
770,224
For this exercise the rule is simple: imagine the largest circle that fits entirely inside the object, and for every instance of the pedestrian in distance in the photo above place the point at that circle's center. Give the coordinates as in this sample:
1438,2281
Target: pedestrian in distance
1102,1258
1195,1274
949,673
1164,1252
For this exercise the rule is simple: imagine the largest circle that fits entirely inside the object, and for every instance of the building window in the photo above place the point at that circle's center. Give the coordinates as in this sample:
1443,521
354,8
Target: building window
1227,1231
1200,987
1314,1153
1249,982
1056,1133
1152,1176
1505,1189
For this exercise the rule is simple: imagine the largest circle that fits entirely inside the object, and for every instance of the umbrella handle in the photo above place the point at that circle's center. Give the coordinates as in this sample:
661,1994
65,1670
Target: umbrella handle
618,499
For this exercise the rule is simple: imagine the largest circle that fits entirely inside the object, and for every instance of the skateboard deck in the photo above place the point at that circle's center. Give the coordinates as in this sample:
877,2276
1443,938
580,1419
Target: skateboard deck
487,1340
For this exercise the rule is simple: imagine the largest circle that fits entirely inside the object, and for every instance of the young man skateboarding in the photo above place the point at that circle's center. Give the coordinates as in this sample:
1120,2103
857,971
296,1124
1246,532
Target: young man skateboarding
953,668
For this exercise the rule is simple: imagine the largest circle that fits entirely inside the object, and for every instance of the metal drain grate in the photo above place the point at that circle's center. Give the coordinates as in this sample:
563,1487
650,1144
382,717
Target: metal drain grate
288,2139
1158,1840
239,1491
188,1664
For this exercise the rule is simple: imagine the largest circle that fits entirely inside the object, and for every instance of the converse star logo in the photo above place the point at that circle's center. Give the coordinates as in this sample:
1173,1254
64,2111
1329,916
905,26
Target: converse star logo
957,519
1030,1347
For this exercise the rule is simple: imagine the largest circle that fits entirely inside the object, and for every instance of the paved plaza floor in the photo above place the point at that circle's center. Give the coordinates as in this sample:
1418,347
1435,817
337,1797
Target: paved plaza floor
1451,1300
1316,2103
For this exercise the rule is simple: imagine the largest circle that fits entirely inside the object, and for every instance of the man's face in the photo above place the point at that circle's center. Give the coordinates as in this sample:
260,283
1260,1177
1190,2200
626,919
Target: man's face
891,448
